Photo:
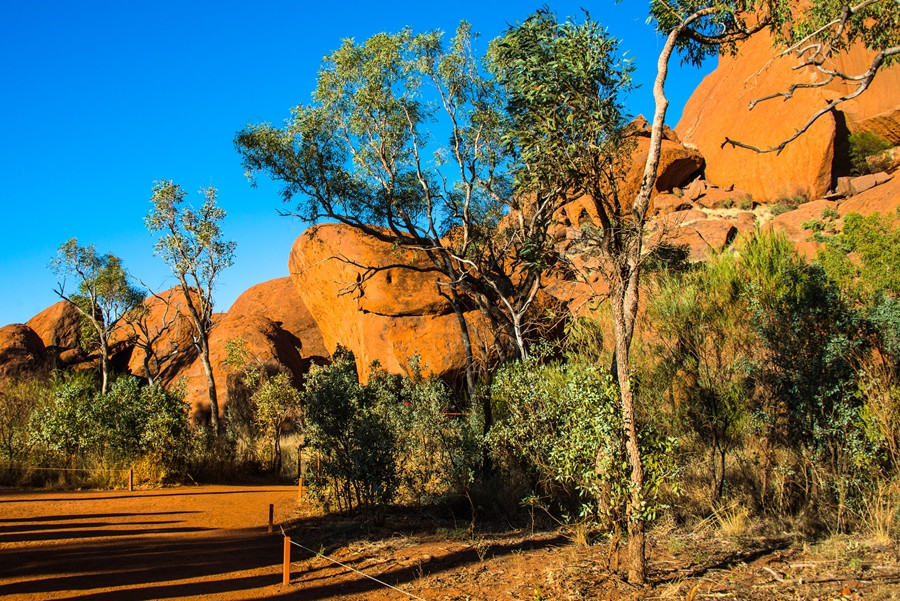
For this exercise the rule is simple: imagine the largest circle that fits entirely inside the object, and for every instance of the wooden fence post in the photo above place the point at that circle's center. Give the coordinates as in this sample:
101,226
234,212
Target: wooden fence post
131,480
286,577
271,518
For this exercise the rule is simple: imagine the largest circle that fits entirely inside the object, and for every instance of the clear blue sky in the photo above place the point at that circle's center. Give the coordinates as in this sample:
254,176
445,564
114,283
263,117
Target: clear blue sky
100,99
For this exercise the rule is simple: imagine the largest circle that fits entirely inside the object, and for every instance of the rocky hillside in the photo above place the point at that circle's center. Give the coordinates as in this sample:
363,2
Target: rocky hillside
706,195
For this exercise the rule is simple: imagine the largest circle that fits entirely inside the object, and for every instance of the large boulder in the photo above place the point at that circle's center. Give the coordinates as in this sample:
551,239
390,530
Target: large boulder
58,326
718,109
791,225
380,301
279,301
677,164
165,322
22,351
266,342
876,110
879,199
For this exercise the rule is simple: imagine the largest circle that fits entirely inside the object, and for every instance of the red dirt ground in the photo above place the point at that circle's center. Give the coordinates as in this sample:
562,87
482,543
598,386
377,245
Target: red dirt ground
210,542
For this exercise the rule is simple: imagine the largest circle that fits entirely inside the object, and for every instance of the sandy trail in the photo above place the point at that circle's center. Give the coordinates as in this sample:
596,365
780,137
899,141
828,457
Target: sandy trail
206,542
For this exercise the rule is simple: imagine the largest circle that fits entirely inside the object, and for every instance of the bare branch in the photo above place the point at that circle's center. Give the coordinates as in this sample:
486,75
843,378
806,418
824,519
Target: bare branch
864,80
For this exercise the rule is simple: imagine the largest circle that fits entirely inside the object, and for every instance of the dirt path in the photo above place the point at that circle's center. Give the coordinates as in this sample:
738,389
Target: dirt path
206,542
211,543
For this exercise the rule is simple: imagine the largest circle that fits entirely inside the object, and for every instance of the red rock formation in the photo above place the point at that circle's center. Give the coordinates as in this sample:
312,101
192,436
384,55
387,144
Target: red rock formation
21,351
719,109
58,326
877,109
677,163
166,320
279,301
882,199
266,342
791,223
388,315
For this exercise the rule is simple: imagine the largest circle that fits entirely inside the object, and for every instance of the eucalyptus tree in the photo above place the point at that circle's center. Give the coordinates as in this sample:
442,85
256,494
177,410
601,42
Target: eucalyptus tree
698,29
192,245
103,295
362,153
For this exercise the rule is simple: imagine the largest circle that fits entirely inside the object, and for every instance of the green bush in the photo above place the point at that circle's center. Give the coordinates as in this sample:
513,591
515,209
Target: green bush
561,422
356,442
862,145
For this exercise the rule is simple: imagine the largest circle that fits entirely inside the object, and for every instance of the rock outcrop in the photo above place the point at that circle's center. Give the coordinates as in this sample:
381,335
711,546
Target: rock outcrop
22,351
676,166
720,108
379,301
265,341
58,327
167,325
279,301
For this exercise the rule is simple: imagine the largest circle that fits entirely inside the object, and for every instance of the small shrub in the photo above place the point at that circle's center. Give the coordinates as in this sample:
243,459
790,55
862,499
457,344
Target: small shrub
562,423
746,204
786,204
863,145
356,442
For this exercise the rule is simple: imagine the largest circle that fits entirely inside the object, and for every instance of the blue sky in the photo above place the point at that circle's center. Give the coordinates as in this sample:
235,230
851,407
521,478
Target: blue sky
100,99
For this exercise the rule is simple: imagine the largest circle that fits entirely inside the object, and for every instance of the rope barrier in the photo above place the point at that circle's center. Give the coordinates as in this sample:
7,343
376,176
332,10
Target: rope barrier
352,569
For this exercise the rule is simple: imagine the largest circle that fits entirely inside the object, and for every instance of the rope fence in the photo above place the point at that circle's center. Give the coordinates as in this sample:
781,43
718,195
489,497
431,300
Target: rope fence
287,561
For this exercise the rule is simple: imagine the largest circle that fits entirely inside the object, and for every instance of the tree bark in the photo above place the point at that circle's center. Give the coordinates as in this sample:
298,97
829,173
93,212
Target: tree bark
203,343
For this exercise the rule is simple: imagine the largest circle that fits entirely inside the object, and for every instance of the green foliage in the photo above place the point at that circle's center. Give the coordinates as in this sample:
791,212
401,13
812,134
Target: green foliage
439,446
864,258
785,204
565,116
65,425
79,424
702,353
277,406
356,442
863,145
19,399
756,352
192,245
103,298
721,23
562,423
263,404
191,241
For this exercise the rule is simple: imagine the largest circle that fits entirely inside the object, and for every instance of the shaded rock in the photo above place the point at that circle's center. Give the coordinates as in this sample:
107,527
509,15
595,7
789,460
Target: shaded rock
676,165
168,325
695,189
22,351
876,110
387,315
279,301
266,342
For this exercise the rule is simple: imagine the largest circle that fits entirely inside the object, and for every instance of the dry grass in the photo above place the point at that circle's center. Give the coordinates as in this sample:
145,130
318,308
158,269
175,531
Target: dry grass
880,513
